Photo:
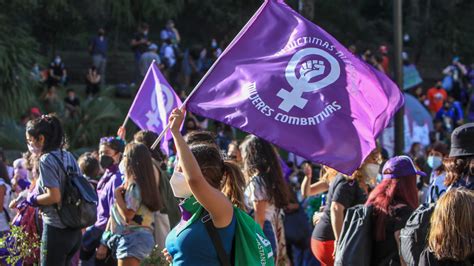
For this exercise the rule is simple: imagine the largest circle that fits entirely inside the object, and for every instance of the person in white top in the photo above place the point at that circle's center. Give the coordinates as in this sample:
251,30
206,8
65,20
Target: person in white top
437,187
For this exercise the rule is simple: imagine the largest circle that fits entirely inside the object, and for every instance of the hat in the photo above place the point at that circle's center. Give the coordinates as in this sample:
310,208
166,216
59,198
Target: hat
153,47
400,166
35,111
462,141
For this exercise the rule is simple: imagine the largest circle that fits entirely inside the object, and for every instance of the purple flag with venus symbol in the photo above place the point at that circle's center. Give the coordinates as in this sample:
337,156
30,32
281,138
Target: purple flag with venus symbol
153,104
288,81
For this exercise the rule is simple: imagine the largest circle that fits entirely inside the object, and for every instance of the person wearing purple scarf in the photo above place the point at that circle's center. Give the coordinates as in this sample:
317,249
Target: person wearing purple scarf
110,154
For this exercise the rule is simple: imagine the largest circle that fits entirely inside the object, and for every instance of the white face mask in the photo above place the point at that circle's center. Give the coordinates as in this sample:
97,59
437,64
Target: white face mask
122,167
179,185
371,170
34,149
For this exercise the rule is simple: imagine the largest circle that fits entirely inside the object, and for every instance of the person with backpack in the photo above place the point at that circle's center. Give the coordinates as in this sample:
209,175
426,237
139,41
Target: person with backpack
129,232
436,153
267,193
343,193
45,139
208,187
168,216
460,164
110,154
392,201
450,238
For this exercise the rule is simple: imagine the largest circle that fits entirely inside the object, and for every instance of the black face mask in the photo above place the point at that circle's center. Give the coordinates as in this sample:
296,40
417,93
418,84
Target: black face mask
106,161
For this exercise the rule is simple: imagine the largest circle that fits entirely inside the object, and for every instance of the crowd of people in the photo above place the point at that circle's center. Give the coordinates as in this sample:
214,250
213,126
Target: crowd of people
182,66
148,200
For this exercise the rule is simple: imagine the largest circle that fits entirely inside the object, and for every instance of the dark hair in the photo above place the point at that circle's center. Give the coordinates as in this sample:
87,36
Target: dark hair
50,127
147,138
115,143
4,173
387,195
70,90
223,175
260,159
200,136
139,167
457,168
89,165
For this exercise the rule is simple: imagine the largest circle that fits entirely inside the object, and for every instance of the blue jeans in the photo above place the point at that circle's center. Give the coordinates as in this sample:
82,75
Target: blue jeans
270,234
137,244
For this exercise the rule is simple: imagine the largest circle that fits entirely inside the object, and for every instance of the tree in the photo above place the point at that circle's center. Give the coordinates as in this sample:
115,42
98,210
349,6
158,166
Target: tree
18,53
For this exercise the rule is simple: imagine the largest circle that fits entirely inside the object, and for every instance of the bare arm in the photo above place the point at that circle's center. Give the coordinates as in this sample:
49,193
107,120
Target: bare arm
176,32
50,197
313,189
126,213
213,200
260,207
337,218
2,195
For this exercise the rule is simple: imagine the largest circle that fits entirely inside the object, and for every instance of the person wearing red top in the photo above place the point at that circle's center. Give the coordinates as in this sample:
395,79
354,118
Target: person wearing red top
385,60
436,97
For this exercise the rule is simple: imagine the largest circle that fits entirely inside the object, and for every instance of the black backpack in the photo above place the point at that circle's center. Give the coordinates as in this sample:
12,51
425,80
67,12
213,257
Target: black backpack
413,235
78,208
354,246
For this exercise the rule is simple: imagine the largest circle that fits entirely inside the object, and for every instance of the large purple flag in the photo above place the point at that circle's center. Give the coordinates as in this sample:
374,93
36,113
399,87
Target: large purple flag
153,104
288,81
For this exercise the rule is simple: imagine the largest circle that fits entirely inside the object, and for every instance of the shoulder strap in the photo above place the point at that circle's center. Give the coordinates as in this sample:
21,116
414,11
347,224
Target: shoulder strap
214,235
61,164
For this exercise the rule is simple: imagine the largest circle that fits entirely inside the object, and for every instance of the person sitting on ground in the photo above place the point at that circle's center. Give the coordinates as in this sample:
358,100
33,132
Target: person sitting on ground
57,74
93,79
71,104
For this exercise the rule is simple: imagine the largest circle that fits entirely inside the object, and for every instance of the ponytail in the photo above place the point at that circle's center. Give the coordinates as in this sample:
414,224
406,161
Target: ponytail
233,184
50,127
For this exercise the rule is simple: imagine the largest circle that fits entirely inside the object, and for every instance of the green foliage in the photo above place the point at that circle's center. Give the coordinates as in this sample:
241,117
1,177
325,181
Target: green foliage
19,244
156,258
98,117
17,55
12,135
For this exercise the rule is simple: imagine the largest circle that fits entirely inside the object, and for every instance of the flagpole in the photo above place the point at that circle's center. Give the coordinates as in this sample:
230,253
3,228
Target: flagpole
138,92
241,32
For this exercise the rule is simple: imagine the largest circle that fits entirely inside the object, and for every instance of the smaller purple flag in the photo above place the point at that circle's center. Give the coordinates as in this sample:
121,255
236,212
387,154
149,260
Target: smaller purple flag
153,104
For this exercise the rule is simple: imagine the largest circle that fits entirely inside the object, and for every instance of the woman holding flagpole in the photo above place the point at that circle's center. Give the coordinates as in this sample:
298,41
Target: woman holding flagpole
206,184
